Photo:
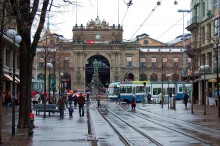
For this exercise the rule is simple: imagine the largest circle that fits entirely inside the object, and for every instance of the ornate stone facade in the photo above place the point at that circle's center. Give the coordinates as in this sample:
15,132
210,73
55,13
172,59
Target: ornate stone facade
139,59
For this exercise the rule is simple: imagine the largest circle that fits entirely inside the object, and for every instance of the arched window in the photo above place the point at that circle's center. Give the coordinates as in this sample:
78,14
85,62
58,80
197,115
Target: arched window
153,77
143,77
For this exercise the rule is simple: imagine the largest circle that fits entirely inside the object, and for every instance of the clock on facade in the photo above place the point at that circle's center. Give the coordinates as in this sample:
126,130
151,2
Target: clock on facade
97,36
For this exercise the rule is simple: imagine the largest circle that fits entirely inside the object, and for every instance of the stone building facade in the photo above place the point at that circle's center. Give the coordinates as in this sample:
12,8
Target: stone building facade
140,59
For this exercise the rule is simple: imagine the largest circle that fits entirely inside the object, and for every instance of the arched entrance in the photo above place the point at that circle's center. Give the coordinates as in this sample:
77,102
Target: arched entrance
65,82
103,70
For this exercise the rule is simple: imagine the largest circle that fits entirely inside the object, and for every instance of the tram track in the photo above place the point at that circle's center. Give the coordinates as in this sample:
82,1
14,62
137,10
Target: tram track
122,114
123,123
182,128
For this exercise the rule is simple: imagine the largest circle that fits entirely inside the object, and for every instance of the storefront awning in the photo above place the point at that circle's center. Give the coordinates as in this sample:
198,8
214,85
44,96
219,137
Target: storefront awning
17,80
8,77
212,80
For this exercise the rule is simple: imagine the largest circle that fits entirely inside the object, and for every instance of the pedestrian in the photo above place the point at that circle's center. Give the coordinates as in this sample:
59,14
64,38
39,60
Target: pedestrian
119,98
75,98
149,98
37,97
98,101
170,95
70,99
41,98
185,99
71,109
8,101
160,98
133,102
61,106
81,102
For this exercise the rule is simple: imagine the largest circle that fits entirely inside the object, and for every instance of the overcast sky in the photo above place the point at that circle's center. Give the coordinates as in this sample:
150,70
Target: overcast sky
162,22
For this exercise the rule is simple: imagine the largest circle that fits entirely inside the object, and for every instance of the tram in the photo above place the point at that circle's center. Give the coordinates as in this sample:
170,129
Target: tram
141,88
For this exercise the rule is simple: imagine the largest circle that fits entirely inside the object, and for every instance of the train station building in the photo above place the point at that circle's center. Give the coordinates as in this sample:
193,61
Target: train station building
142,58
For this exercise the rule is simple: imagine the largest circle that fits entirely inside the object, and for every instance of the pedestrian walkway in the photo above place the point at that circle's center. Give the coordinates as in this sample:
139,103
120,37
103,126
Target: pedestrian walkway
51,131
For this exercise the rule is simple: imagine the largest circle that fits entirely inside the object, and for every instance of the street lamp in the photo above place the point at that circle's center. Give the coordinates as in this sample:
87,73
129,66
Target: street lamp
12,34
49,65
60,83
204,69
168,98
184,54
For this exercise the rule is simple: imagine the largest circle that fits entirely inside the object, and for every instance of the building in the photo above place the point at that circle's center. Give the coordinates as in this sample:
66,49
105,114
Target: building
204,27
143,58
8,49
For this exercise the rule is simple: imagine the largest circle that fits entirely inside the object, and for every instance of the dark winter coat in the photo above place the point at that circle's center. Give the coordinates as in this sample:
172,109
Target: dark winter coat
81,100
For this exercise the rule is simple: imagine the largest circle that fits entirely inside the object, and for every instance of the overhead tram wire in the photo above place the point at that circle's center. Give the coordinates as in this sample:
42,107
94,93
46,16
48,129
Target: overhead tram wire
128,5
148,16
171,27
124,16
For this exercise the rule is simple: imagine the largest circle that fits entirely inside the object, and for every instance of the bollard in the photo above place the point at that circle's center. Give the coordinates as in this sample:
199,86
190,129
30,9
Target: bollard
31,123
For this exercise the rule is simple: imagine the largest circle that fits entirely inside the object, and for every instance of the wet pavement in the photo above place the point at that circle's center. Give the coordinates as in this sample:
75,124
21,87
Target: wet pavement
52,131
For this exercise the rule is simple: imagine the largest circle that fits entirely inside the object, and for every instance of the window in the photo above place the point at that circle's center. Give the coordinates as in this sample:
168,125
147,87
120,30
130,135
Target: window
139,89
143,62
203,59
122,89
157,91
216,25
209,55
203,35
203,8
66,62
164,63
129,89
129,61
175,62
7,63
153,62
146,42
209,32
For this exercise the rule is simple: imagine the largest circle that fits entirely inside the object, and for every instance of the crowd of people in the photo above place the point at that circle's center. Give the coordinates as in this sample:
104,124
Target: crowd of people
70,102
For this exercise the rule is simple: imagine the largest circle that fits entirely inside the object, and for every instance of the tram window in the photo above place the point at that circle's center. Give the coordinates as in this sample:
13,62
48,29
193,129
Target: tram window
156,91
180,89
122,89
139,89
129,89
115,90
171,90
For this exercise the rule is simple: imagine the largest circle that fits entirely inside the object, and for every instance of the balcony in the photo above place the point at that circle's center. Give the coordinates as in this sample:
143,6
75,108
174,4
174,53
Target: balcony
192,23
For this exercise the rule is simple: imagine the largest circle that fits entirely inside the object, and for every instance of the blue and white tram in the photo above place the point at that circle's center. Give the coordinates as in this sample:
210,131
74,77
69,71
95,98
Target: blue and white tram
181,91
137,88
176,89
113,90
127,89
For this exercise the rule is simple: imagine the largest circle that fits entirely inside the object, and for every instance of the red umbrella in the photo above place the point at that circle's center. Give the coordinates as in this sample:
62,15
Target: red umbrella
33,93
43,93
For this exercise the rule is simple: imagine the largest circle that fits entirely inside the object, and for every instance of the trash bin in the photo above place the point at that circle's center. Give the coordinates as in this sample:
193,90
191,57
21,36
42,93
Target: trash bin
173,103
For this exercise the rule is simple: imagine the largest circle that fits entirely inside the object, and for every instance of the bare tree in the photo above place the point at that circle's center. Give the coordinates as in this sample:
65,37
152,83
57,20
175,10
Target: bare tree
25,12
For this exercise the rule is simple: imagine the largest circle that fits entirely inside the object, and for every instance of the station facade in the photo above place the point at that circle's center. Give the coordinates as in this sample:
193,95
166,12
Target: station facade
142,58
